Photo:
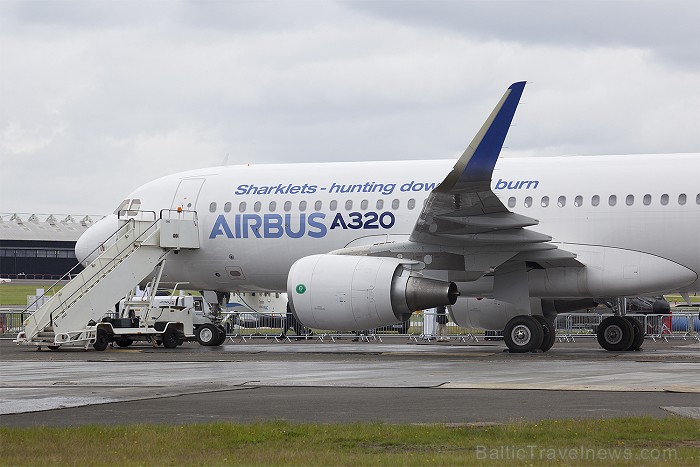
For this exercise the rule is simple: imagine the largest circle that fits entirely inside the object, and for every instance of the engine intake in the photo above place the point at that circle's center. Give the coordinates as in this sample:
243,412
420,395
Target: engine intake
360,292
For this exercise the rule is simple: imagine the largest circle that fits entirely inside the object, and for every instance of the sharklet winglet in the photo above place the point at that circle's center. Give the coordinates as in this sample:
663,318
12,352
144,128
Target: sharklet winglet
479,159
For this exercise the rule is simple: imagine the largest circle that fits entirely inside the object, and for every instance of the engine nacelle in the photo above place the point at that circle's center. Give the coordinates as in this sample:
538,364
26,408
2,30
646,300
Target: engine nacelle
360,292
487,313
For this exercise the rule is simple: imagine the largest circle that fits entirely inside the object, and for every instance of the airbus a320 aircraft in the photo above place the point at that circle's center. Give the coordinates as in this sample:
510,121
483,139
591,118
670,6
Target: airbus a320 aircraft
507,244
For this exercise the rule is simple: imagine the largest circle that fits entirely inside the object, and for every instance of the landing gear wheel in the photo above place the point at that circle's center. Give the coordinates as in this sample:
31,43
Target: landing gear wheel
638,339
101,341
171,339
523,334
548,332
222,336
207,334
615,333
123,342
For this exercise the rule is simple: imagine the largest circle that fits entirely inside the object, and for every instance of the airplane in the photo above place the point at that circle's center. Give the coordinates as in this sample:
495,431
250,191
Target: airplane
505,244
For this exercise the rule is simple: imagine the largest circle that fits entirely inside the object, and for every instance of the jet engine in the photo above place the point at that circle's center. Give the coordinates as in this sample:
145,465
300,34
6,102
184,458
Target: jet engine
360,292
487,313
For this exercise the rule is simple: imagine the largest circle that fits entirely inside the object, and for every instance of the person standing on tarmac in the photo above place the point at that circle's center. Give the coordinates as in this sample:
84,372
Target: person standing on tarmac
441,321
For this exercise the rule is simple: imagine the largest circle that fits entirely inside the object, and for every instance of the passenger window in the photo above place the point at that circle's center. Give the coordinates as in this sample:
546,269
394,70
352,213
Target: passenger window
646,200
287,206
318,205
612,201
227,207
364,204
273,206
629,201
595,200
578,201
682,199
302,206
395,204
511,202
242,207
561,202
380,203
257,206
212,207
664,200
528,201
348,205
333,205
411,203
545,201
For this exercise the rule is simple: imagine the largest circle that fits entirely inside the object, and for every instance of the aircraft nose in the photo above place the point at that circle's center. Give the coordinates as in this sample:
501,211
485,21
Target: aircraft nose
87,246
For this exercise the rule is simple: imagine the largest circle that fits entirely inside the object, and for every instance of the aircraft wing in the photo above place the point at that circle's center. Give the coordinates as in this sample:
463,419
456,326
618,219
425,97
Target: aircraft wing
464,228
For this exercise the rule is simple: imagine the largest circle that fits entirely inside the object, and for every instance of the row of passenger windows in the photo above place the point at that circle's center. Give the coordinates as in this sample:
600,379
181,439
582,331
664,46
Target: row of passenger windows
411,204
595,200
318,205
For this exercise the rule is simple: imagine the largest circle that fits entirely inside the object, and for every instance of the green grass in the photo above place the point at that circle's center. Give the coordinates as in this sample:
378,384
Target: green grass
630,441
16,294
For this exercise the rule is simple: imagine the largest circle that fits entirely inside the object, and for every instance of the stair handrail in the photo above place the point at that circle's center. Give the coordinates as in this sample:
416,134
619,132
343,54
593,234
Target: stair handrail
70,272
147,232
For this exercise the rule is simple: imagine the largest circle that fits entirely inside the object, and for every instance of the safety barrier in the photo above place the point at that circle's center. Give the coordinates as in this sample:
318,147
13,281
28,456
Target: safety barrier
246,326
684,326
11,322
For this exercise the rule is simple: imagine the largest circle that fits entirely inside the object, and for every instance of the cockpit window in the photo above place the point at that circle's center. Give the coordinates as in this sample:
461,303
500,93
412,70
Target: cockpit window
122,206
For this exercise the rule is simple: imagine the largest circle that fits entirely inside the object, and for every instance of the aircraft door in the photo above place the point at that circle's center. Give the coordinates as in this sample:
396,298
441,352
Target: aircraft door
187,193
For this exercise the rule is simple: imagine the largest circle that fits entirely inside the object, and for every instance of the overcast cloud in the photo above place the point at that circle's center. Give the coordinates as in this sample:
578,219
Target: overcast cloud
98,98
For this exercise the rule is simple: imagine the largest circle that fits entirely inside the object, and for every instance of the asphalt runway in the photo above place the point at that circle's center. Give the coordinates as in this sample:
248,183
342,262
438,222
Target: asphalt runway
395,381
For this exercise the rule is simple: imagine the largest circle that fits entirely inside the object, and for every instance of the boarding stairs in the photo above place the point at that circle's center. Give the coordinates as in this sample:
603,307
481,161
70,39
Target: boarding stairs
140,244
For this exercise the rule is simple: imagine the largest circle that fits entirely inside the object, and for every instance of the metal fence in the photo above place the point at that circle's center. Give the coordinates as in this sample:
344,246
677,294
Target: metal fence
244,326
11,322
570,326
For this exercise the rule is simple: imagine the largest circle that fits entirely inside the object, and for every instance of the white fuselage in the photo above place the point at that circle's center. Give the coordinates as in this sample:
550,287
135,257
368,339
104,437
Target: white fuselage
256,221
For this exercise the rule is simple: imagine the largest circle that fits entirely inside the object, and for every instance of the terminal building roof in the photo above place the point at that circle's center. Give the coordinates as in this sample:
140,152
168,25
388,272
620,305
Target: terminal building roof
44,227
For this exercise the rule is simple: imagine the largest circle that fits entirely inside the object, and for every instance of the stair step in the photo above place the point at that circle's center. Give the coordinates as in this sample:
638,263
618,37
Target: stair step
46,334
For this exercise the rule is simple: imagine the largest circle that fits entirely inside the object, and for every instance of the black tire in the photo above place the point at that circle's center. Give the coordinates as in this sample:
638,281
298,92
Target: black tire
123,341
615,334
638,339
53,347
222,336
101,341
548,332
171,338
207,334
523,334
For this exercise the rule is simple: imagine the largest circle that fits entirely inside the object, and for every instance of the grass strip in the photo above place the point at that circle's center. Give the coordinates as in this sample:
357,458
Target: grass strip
16,294
628,441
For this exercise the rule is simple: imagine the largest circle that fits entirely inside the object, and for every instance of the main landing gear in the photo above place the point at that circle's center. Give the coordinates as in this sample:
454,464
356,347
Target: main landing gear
526,333
619,333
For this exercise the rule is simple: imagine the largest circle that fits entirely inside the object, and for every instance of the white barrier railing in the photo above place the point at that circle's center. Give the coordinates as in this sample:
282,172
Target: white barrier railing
684,326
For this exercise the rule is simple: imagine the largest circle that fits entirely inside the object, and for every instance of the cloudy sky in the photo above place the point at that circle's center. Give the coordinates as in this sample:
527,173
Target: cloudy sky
99,97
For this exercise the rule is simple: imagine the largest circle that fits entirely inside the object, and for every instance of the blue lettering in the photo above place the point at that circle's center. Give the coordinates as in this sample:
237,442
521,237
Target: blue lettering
516,184
288,226
220,228
317,224
273,226
251,222
338,222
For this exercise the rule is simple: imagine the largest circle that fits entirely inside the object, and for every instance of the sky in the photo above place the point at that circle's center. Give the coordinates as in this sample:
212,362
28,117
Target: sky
100,97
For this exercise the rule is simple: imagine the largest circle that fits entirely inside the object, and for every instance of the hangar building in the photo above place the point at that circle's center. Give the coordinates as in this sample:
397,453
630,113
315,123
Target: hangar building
40,246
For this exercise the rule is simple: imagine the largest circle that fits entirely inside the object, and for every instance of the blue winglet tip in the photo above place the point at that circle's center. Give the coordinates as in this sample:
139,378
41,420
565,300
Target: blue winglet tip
480,167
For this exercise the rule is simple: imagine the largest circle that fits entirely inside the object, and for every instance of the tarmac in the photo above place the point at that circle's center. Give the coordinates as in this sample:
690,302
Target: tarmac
394,381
